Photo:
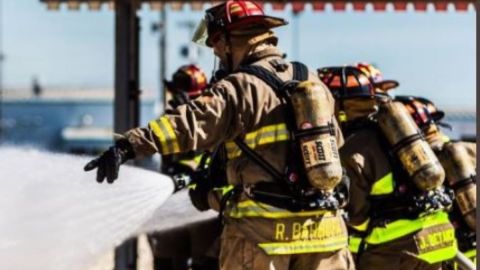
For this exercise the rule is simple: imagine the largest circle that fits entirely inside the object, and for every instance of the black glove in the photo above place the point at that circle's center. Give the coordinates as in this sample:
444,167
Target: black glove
199,199
199,194
108,164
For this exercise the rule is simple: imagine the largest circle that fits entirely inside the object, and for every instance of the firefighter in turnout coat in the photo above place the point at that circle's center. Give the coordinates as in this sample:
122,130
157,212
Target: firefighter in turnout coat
244,109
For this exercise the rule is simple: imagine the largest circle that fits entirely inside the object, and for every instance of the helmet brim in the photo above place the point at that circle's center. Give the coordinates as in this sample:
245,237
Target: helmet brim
249,25
261,20
256,24
438,115
386,85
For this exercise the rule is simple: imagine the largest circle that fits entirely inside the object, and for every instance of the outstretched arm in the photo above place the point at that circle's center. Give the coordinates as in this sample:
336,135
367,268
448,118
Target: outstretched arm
201,124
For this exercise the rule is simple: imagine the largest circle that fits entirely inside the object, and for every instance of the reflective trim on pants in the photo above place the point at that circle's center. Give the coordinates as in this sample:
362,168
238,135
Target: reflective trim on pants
299,247
251,208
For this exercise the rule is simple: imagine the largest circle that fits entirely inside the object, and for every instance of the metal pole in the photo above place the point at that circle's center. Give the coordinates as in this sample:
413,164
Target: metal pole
127,96
1,73
127,91
163,53
463,262
296,35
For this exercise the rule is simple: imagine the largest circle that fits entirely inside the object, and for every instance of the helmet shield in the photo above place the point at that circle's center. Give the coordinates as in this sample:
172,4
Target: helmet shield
200,35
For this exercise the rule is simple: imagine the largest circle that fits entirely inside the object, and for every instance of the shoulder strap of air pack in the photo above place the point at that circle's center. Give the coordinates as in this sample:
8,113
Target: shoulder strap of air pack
266,76
300,73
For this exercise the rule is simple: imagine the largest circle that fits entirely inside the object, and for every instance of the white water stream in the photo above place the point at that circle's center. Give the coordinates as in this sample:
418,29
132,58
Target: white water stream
53,215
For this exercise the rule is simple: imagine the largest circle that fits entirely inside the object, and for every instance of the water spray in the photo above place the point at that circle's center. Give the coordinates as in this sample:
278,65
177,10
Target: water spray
53,215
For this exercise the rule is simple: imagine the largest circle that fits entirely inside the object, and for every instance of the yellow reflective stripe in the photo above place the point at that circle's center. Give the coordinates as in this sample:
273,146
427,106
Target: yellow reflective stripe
224,190
268,134
342,116
251,208
186,161
354,243
439,255
404,227
299,247
265,135
196,160
171,134
471,254
155,127
362,227
384,185
165,134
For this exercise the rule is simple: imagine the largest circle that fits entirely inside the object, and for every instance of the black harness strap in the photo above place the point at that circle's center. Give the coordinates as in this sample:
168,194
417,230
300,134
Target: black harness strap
266,166
405,141
464,182
328,129
300,72
265,75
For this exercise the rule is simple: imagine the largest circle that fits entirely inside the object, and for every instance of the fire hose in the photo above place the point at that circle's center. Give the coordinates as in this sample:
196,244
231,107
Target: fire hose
463,262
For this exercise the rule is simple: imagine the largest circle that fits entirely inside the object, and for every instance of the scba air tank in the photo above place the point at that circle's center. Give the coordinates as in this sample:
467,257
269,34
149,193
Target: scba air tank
413,151
461,176
316,135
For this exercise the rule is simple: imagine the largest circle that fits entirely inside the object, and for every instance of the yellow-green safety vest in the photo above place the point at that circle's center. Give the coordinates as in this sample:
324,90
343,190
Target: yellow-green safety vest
402,227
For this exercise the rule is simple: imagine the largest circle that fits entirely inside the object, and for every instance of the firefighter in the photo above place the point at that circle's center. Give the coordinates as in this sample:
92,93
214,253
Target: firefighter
395,233
188,82
428,118
245,109
174,248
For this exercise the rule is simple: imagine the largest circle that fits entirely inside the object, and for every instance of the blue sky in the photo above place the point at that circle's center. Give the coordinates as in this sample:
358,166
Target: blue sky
431,54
